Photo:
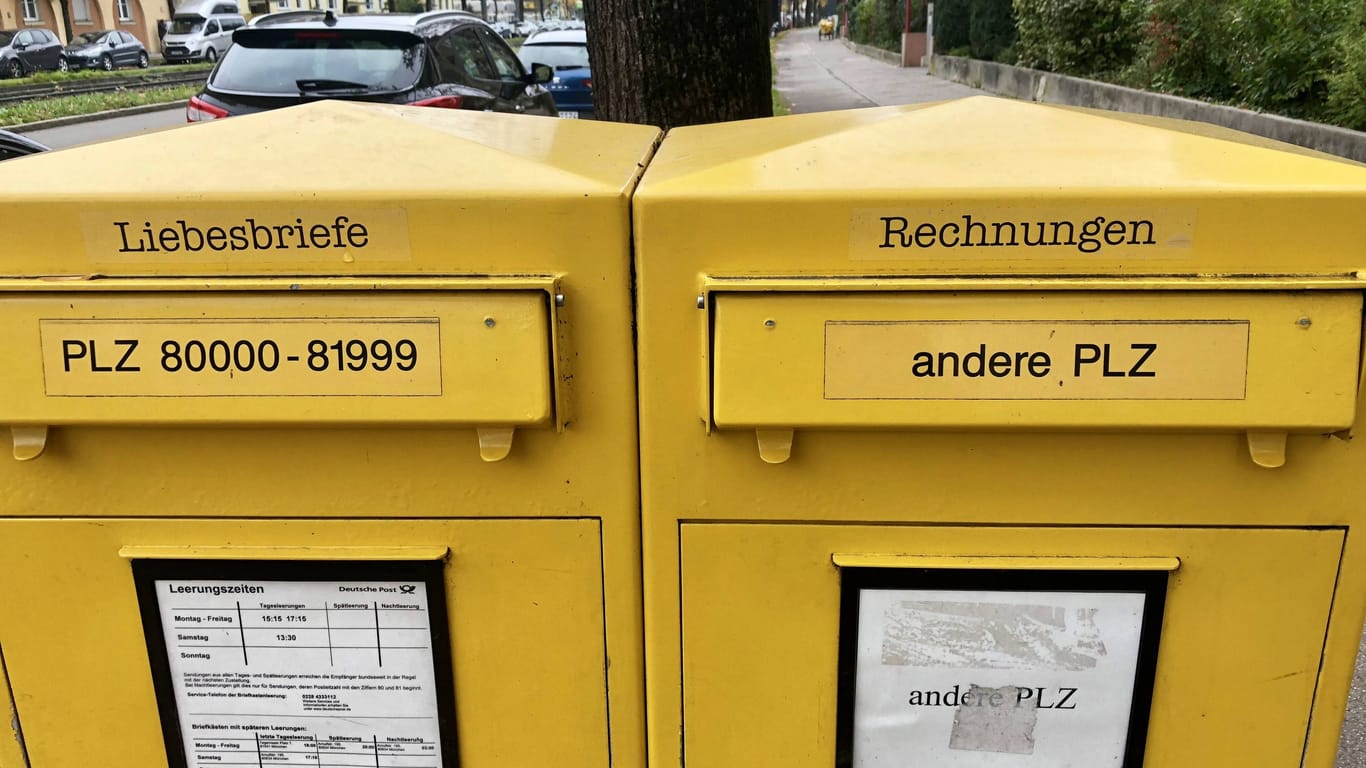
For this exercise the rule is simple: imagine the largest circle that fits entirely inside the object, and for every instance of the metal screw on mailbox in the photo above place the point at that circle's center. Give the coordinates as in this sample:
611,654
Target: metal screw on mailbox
488,321
559,299
701,301
1304,322
770,323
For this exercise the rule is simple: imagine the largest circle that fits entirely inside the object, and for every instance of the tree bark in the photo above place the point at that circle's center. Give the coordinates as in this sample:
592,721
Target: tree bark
679,62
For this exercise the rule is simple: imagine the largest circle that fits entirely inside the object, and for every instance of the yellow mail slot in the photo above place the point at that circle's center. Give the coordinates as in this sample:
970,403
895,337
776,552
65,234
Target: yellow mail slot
468,357
1226,360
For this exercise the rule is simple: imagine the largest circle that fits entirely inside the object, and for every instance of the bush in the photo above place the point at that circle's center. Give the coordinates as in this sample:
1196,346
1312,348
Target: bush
1088,38
1282,51
1185,50
879,23
991,30
952,25
1347,85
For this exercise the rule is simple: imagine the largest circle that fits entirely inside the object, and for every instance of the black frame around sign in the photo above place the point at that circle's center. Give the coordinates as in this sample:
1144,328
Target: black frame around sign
1151,584
429,572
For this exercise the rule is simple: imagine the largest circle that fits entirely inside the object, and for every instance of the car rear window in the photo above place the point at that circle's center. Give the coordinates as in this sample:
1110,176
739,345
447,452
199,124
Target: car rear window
294,61
186,26
557,55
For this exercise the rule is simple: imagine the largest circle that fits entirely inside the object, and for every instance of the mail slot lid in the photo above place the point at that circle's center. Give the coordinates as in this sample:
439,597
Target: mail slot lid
1079,360
465,357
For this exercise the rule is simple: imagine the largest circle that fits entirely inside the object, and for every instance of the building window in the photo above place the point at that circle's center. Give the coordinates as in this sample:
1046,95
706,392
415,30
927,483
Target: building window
282,5
80,11
125,11
31,11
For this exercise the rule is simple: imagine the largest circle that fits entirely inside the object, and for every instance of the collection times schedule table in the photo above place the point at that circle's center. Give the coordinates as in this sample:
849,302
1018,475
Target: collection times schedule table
314,670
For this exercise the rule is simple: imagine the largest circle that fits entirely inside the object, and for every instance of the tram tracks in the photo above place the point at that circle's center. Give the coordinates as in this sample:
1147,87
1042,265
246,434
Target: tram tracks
147,82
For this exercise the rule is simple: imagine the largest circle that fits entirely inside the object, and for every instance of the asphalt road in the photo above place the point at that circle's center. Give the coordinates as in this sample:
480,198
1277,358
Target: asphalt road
113,128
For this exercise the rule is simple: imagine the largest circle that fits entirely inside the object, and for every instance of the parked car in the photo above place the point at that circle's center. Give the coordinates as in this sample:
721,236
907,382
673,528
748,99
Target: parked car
106,49
567,53
24,51
447,59
200,38
13,145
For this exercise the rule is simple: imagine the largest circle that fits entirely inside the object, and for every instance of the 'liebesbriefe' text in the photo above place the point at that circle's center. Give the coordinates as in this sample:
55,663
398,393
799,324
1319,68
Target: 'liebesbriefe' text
249,235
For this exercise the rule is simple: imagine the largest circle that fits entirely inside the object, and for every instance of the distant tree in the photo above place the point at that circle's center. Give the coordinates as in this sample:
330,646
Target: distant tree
1347,86
952,26
679,62
991,30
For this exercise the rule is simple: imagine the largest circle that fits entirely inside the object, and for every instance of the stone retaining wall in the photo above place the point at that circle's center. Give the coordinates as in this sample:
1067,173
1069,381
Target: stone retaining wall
1050,88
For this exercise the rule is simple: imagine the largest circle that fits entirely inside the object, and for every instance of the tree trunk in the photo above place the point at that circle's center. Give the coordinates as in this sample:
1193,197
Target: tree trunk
679,62
66,21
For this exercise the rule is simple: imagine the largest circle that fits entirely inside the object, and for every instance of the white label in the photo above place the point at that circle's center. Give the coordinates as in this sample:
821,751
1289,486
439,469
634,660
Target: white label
994,679
323,673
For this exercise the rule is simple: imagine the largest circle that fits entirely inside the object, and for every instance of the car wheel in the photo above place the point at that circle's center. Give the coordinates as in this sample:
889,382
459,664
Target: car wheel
15,69
143,61
211,55
62,66
106,63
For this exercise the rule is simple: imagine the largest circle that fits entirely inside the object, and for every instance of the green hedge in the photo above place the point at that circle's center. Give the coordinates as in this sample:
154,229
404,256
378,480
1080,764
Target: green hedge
991,30
1300,58
1089,38
1347,84
879,23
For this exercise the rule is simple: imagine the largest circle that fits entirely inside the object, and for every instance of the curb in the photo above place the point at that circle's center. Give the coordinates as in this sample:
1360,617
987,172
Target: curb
886,57
58,122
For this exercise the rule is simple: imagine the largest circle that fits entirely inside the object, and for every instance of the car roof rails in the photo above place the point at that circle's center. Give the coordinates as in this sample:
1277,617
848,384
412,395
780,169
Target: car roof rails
286,17
423,18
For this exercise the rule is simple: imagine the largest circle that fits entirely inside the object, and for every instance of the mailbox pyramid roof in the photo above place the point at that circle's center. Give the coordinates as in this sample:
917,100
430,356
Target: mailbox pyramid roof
849,191
987,144
458,181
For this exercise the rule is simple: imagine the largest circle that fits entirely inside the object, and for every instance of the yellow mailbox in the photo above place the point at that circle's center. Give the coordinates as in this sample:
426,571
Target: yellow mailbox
985,433
325,429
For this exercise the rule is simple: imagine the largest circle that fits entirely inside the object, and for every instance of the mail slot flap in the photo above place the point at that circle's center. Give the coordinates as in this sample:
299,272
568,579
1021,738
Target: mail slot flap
1242,360
467,357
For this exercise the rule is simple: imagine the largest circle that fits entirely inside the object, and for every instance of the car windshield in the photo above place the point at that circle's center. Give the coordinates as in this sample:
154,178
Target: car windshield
559,56
6,36
186,26
88,37
319,61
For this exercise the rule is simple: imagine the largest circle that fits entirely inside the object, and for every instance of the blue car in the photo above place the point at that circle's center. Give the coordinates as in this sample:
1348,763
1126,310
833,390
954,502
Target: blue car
565,51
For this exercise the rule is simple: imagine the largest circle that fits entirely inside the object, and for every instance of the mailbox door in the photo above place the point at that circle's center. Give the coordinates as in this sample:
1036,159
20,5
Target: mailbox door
1246,614
524,601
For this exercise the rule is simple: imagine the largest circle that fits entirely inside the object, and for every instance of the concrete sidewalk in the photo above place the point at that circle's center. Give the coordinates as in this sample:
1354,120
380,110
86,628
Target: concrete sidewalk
823,75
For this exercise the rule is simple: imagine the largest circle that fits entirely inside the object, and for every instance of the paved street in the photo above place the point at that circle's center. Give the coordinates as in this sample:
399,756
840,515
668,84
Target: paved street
113,128
822,75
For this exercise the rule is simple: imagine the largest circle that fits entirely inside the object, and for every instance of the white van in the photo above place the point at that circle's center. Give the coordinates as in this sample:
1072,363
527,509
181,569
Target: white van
201,34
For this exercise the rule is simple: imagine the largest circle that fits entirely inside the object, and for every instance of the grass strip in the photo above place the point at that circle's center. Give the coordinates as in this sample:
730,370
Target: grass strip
780,107
87,103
